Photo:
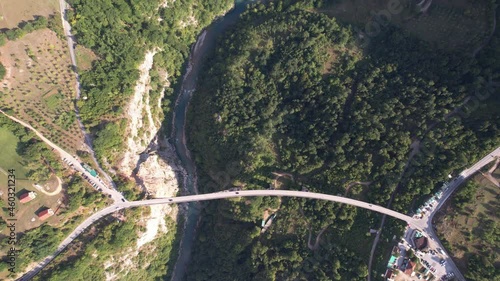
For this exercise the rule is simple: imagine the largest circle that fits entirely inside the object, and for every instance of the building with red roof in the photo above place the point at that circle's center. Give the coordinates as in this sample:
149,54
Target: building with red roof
45,214
389,274
410,267
27,196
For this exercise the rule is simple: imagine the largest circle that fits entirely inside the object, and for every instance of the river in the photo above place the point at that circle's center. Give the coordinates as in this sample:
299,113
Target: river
204,45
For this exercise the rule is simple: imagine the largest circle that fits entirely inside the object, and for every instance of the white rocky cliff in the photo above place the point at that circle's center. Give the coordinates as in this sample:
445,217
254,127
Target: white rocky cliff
154,172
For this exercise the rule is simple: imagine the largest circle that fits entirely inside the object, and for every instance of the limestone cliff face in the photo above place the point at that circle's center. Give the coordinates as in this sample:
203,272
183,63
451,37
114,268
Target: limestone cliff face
151,164
142,127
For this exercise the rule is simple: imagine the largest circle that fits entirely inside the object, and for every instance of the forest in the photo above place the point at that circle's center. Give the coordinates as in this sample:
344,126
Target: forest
289,89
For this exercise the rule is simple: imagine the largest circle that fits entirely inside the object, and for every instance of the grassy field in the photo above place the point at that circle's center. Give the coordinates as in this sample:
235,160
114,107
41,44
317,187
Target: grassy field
456,25
465,229
14,12
9,158
39,86
84,57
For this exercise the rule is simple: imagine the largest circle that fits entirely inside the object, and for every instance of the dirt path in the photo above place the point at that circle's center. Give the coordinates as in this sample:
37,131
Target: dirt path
279,175
351,184
55,192
316,242
488,175
494,167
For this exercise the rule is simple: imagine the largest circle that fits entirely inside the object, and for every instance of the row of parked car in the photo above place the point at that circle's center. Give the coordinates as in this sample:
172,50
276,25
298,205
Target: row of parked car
93,184
448,276
426,263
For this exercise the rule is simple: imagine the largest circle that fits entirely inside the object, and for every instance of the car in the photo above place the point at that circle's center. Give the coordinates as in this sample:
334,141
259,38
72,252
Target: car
441,251
123,200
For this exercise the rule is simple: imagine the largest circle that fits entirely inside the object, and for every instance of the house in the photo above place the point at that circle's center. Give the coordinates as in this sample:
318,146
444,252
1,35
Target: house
389,274
421,243
45,214
27,196
410,267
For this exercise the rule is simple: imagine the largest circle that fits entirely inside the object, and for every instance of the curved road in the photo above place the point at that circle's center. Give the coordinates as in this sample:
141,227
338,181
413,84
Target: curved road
421,224
452,186
213,196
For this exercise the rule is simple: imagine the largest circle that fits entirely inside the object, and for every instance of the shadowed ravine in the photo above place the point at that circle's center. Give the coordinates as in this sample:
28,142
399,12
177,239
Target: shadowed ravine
203,46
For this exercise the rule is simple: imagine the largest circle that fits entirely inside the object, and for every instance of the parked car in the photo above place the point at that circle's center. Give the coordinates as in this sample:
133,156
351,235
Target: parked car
441,251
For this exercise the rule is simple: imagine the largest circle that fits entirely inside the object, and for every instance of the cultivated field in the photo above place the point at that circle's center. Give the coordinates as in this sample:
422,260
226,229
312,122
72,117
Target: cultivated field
455,25
14,12
39,86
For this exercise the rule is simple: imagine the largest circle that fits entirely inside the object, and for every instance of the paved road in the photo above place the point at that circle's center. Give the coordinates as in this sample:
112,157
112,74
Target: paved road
70,159
287,193
427,226
71,43
213,196
424,225
71,47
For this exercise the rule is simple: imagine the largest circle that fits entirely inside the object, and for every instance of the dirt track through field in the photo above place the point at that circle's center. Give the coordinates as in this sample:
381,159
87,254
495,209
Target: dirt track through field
55,192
